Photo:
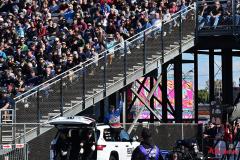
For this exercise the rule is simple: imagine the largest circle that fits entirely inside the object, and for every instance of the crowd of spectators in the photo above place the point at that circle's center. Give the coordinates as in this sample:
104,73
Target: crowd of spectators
41,39
222,139
218,13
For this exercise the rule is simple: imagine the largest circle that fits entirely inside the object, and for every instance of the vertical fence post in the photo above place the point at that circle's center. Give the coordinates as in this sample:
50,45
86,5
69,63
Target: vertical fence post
125,63
14,121
84,86
144,52
61,96
24,142
38,111
1,126
180,32
104,76
196,22
162,45
234,16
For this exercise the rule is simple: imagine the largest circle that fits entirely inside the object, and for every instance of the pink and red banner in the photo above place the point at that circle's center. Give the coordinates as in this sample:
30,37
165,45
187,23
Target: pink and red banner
188,99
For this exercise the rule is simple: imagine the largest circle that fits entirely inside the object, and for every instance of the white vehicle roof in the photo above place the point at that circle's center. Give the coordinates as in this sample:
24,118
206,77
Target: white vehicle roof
75,120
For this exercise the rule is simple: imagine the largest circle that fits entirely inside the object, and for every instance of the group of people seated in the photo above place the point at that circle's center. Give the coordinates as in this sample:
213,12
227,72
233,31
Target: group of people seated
218,13
41,39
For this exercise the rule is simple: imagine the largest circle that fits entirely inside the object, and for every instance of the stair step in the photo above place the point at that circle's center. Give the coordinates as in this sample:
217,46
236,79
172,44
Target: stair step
6,136
90,92
43,120
72,101
173,45
135,67
56,110
120,74
111,80
44,117
79,98
67,104
66,108
156,56
97,90
53,114
7,131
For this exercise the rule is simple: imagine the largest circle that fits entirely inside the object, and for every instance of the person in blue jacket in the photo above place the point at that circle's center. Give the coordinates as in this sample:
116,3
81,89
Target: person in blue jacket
113,119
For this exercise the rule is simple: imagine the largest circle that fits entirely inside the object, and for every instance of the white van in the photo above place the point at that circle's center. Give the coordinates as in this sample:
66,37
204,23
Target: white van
79,138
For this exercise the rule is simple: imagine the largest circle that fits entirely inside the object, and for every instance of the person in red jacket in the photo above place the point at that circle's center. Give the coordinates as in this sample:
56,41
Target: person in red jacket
228,138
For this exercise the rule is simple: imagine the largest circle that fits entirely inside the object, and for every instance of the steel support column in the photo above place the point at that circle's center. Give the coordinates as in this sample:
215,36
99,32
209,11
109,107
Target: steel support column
227,80
178,88
164,93
211,75
196,85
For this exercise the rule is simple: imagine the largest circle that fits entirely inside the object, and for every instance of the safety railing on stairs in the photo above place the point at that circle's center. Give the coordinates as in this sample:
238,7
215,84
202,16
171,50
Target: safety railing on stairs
74,87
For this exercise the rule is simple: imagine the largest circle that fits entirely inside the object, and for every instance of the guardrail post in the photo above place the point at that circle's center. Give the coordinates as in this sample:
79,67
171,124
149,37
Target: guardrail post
125,63
61,96
162,45
1,125
104,75
196,23
180,32
84,86
38,111
24,142
234,16
144,53
14,121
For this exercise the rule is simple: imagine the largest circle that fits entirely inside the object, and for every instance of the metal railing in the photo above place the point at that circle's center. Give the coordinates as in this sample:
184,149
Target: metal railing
82,82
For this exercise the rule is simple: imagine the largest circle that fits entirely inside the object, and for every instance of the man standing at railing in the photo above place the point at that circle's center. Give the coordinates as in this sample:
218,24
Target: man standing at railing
4,100
4,104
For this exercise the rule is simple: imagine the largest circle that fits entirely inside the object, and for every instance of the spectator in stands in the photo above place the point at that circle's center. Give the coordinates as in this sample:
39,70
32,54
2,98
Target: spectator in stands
204,11
4,100
215,15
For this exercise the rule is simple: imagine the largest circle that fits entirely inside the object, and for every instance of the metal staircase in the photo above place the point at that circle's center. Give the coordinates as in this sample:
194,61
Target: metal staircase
88,83
7,129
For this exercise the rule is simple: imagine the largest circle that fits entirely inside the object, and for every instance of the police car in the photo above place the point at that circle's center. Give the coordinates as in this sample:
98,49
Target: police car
80,137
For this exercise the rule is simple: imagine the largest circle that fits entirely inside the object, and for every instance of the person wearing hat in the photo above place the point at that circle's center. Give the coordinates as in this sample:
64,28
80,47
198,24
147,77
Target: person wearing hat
147,150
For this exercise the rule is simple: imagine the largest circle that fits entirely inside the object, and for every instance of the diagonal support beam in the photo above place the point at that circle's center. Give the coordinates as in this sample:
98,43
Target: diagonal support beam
146,104
170,111
135,97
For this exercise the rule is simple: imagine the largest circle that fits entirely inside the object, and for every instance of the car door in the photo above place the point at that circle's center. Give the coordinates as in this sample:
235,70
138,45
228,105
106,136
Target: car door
111,144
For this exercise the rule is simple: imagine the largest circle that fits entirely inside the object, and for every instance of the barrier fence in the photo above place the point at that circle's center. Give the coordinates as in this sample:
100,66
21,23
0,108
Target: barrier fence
14,152
164,135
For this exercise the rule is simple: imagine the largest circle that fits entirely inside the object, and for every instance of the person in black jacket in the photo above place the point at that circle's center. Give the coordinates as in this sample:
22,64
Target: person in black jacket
147,150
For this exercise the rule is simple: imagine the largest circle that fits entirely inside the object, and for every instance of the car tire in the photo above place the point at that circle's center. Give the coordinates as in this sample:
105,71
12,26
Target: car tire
112,157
